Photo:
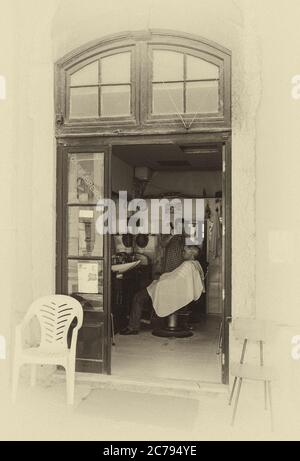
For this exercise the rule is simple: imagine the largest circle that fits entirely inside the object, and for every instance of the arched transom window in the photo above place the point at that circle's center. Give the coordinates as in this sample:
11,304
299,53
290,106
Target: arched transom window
101,88
143,81
184,83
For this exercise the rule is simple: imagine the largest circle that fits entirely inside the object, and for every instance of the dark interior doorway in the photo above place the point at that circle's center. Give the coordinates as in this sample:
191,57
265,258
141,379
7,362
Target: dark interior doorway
170,170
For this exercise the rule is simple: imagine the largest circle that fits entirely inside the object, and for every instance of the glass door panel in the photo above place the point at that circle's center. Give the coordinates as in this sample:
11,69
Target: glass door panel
84,254
85,282
83,238
85,178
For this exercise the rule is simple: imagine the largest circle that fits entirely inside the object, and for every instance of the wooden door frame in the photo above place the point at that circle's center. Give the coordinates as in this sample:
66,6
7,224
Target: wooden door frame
61,231
226,256
95,143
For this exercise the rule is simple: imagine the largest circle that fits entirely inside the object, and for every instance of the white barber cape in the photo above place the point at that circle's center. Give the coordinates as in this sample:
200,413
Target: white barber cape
176,289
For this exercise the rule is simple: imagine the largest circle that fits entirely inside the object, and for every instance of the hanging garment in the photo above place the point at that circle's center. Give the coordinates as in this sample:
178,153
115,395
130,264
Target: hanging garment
174,290
216,233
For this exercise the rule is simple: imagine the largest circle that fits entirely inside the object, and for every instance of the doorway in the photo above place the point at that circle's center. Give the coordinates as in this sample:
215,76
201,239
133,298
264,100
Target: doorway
85,173
146,88
174,171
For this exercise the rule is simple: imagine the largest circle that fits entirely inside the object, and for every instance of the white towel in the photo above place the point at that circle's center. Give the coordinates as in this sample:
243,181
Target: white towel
176,289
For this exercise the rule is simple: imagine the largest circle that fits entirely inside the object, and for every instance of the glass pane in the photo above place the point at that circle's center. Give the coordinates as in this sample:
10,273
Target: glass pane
86,178
88,75
84,102
198,69
115,100
167,98
202,97
116,68
83,238
85,278
167,66
89,302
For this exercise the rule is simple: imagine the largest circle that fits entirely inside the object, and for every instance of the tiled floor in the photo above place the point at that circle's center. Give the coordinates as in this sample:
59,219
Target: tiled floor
193,358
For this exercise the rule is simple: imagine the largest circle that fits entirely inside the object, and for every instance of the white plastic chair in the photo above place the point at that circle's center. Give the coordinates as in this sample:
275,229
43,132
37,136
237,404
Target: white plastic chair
55,314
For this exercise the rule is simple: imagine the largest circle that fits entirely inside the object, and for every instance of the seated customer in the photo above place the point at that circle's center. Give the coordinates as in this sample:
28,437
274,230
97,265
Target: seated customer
172,291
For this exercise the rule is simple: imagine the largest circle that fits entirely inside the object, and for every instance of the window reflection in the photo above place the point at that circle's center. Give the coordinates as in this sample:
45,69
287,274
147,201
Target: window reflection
86,178
83,239
84,270
182,83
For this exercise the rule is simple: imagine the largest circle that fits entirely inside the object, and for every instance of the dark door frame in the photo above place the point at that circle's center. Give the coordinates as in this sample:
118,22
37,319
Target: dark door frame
95,143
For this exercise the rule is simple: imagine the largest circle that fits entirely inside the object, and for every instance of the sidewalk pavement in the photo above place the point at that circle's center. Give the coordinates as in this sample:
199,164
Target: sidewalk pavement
105,413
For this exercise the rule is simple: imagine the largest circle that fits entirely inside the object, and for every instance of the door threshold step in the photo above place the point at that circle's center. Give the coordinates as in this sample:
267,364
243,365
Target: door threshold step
153,385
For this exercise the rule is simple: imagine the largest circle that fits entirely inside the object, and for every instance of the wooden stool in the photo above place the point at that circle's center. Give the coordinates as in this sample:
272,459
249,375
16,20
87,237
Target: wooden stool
251,330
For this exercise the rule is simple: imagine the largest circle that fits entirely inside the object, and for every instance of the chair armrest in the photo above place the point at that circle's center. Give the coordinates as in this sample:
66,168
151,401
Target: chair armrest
74,340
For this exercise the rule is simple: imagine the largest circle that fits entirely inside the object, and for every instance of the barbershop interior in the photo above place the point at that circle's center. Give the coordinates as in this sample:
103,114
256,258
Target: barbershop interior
186,343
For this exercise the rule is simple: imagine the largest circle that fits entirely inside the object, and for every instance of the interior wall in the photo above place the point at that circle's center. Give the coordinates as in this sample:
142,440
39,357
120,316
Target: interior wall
122,175
191,183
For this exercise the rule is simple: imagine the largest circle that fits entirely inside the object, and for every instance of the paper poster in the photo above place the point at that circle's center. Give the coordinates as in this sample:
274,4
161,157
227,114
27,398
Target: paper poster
87,214
87,277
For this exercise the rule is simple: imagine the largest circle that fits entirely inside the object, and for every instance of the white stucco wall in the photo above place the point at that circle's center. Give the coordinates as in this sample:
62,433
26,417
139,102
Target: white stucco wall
7,172
66,25
277,195
264,39
49,29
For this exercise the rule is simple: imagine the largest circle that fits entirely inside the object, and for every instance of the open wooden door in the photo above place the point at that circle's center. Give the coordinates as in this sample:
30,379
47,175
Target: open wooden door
83,256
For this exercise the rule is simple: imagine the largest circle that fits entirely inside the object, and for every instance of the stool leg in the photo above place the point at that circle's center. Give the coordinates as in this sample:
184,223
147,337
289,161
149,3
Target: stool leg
232,390
236,400
266,394
271,407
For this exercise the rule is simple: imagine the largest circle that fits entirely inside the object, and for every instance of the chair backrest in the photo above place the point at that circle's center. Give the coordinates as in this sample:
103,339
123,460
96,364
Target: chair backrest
55,314
250,329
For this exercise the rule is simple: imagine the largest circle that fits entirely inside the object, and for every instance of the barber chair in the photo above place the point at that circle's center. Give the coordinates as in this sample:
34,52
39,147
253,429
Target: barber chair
175,325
